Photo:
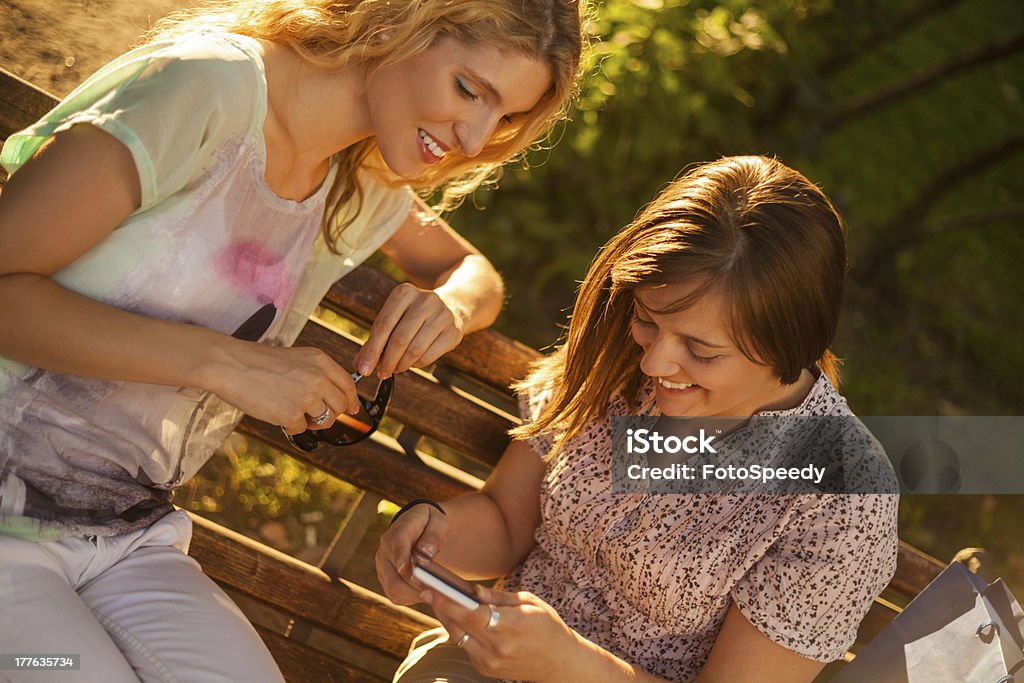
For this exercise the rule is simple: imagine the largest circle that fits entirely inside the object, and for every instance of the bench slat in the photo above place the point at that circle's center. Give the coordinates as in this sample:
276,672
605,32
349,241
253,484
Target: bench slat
21,103
914,570
369,464
302,664
297,588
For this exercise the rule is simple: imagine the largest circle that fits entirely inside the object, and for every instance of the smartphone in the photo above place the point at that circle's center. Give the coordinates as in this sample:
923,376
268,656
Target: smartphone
444,581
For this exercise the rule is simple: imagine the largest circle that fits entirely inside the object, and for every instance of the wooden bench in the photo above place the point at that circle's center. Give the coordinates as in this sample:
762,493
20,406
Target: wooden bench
320,627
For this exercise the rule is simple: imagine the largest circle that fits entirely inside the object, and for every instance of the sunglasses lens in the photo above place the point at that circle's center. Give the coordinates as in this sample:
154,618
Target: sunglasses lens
349,429
306,440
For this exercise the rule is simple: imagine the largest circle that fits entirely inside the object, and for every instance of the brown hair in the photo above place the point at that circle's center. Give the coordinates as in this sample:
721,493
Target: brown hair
379,33
748,227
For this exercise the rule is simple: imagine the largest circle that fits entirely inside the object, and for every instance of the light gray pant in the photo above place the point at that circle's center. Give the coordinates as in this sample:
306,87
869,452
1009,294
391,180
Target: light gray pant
134,607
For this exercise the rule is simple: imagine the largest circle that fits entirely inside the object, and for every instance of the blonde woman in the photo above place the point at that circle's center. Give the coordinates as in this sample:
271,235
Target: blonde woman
719,301
164,235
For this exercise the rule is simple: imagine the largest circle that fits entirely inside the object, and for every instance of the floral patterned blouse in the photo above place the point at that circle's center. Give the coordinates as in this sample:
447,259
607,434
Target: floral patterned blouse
651,577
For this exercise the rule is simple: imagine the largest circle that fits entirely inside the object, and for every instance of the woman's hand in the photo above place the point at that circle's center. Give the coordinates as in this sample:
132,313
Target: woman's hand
529,642
454,290
414,328
422,529
282,386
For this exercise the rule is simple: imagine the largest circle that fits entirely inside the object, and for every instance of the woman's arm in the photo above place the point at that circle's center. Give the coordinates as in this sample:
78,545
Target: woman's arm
454,291
743,653
483,535
64,201
494,545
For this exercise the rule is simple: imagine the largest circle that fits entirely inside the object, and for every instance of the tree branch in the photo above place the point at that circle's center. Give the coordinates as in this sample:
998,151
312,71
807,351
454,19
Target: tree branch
908,226
902,24
923,78
968,220
848,52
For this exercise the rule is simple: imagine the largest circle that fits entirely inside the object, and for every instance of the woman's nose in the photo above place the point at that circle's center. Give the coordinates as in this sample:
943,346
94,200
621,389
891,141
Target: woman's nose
474,134
660,359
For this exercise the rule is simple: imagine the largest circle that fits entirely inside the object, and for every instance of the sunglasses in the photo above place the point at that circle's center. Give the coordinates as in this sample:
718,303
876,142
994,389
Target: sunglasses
349,429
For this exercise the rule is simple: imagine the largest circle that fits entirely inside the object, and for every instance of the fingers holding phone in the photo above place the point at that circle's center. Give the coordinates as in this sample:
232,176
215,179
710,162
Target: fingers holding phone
510,635
421,530
444,581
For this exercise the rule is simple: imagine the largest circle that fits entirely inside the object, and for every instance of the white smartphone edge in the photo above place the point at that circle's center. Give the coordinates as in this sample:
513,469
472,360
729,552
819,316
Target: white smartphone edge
428,579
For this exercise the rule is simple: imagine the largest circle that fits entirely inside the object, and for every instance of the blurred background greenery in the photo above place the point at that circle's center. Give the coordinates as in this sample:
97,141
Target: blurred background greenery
908,113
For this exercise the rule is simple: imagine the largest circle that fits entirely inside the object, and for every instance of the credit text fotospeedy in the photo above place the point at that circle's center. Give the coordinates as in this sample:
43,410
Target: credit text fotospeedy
727,473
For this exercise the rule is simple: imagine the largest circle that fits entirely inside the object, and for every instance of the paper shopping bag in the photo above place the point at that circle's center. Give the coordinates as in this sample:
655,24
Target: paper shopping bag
957,630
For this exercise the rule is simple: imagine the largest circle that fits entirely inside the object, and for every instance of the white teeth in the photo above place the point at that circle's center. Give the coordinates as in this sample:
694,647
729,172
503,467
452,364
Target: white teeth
431,144
673,385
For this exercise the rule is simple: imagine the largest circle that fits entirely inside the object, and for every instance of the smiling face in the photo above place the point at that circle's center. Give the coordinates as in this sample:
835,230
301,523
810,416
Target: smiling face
449,99
698,369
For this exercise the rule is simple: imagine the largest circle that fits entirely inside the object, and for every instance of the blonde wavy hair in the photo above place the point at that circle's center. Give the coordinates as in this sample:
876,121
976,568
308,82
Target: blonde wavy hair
381,33
750,228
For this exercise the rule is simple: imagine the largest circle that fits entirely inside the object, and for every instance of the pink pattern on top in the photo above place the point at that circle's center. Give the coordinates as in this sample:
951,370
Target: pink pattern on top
257,271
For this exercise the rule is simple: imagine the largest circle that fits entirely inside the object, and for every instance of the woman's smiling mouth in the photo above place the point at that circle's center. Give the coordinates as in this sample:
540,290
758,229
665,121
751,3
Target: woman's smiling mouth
675,386
431,147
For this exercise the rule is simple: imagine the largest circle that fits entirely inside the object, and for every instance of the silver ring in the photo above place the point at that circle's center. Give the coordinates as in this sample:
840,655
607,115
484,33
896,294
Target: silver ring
463,640
492,621
322,417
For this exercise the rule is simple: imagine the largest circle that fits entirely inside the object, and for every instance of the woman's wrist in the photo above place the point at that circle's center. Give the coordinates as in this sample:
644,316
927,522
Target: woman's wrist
215,362
454,301
474,292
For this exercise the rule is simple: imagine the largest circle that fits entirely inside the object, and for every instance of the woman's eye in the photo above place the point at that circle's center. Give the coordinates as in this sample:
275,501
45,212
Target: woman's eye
637,319
463,91
703,359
